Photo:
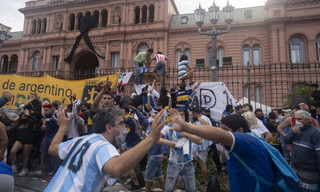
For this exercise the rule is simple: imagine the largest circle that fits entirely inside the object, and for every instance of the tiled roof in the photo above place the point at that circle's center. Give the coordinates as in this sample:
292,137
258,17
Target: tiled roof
15,35
258,13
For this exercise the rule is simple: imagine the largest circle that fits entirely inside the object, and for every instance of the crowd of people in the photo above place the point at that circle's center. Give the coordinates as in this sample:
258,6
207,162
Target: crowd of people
84,147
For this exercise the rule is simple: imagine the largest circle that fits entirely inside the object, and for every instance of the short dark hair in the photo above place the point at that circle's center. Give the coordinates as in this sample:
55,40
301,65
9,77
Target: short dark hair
248,105
257,110
55,105
150,50
272,115
183,57
159,52
235,122
315,103
182,86
105,116
229,107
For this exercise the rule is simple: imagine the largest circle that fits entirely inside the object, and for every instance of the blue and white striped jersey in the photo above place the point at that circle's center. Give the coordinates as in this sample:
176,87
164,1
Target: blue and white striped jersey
82,166
205,143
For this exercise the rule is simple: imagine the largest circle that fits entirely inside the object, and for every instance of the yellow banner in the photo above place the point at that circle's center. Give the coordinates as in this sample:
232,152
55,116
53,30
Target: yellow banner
51,89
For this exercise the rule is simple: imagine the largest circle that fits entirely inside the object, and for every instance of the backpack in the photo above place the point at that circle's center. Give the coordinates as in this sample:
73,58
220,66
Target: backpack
293,121
286,179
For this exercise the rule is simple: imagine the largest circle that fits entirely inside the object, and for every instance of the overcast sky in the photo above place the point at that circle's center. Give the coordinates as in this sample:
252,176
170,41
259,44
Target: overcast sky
10,16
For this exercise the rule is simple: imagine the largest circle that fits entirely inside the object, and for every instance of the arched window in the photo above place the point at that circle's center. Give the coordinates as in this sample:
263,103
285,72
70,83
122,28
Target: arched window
246,55
256,55
257,94
80,15
35,61
143,47
96,18
297,50
318,47
44,25
34,24
137,15
104,13
151,13
144,14
39,26
220,55
72,20
88,13
187,53
178,55
4,64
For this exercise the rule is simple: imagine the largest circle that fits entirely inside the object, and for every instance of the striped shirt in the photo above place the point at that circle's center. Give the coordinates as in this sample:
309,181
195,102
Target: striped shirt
205,143
82,166
160,58
183,69
183,99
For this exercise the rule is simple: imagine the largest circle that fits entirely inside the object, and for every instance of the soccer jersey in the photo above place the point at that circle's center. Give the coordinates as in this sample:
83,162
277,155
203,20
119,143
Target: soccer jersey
82,166
183,99
160,58
177,155
252,151
205,143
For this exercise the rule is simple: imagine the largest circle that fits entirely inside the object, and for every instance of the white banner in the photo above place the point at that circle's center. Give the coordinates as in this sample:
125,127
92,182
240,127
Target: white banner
213,95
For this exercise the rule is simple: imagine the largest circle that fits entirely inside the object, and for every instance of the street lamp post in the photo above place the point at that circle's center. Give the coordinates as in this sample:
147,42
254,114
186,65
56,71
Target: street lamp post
214,17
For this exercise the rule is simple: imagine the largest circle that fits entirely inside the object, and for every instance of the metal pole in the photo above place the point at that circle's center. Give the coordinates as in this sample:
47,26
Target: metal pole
249,83
214,57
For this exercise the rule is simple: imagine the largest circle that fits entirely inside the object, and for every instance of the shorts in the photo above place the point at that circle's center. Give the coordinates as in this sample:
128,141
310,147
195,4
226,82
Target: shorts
185,76
161,66
202,154
154,168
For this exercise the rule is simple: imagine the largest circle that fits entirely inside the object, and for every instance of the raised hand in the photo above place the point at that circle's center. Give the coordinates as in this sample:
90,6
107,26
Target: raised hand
62,120
157,125
178,122
7,94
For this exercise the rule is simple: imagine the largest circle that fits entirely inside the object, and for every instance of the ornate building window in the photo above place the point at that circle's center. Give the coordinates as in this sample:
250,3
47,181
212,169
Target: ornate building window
34,25
72,20
246,55
178,55
115,59
96,18
35,61
151,13
256,55
44,25
39,26
56,62
220,55
80,15
251,55
318,47
104,13
257,93
187,53
137,15
143,47
297,50
144,13
4,64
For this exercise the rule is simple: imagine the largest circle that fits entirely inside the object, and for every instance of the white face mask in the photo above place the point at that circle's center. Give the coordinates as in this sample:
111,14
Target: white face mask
120,139
299,124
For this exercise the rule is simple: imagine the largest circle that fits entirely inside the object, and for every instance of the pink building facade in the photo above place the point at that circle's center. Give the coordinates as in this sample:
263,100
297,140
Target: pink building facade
281,32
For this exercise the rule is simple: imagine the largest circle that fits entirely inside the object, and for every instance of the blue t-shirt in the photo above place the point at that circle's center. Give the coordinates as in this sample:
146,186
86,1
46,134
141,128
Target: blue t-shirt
252,151
5,169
